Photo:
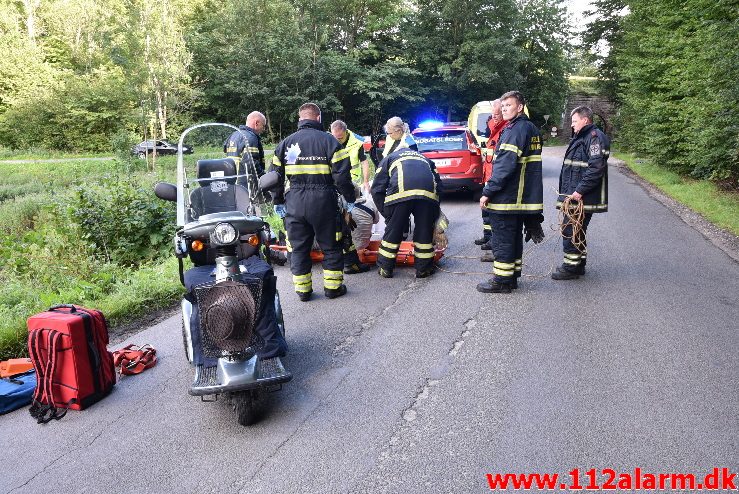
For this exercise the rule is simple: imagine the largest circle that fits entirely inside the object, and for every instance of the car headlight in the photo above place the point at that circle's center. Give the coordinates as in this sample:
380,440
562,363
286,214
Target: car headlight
224,233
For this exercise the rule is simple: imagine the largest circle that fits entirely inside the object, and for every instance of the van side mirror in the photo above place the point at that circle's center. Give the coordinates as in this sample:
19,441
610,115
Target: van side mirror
166,191
269,181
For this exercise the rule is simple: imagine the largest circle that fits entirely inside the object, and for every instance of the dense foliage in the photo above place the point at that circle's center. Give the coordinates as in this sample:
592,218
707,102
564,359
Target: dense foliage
674,69
76,73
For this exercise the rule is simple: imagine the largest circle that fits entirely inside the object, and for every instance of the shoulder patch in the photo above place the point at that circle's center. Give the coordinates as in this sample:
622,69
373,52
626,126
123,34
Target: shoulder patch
595,149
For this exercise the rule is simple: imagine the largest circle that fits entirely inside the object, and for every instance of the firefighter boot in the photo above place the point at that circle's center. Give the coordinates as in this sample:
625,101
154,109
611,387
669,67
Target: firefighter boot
385,273
357,268
305,296
493,287
335,292
482,240
564,274
426,272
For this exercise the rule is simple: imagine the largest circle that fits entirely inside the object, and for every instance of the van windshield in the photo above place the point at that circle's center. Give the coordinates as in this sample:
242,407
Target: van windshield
441,140
482,124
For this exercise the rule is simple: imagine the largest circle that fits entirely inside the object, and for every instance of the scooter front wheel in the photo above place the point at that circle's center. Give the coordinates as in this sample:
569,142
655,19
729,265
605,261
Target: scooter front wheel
245,404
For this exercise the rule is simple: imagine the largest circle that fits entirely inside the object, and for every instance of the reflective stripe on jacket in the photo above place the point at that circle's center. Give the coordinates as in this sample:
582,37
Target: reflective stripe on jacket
585,169
245,140
405,175
515,186
319,162
353,148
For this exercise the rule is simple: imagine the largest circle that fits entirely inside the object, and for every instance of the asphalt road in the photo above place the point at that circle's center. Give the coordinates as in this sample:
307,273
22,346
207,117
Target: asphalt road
425,386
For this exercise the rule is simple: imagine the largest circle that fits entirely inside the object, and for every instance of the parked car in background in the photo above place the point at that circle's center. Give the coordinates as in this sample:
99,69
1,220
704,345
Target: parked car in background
455,152
162,147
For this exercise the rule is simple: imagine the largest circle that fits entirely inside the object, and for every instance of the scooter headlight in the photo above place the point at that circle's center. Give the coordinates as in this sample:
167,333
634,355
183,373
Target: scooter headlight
224,234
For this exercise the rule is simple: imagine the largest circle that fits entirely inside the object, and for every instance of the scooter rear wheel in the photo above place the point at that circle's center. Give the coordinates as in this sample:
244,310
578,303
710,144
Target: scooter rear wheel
245,405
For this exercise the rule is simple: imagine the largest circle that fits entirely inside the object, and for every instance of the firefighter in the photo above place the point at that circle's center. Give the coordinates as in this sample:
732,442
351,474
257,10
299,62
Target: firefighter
514,191
314,166
247,140
584,177
398,137
495,126
407,183
354,145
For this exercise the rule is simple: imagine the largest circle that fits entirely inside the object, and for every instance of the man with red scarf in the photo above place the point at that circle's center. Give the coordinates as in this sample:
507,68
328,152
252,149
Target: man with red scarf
495,127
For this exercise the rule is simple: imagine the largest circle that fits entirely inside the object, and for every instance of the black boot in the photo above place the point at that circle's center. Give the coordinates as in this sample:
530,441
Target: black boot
357,268
493,287
482,240
335,292
385,273
305,296
487,246
564,274
426,272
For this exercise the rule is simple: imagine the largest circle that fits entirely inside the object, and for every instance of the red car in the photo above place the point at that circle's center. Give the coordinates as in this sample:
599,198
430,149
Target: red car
455,152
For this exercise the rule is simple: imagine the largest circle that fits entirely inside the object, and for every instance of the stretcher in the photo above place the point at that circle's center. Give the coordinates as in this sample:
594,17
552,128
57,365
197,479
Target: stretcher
368,255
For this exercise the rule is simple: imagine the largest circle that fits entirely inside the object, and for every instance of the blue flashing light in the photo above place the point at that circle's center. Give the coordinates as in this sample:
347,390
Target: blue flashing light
430,124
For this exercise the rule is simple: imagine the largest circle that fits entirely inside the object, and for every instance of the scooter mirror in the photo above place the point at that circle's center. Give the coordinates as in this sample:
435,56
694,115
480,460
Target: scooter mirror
166,191
268,181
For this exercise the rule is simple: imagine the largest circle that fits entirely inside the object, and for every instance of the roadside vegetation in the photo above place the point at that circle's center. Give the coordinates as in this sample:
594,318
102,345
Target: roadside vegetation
82,232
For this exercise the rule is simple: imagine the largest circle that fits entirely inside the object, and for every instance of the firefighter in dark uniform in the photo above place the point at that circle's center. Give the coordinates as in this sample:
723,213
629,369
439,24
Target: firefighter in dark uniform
353,145
514,191
407,183
247,140
312,168
584,176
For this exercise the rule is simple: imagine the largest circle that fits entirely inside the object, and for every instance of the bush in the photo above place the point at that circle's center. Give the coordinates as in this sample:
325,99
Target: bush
119,221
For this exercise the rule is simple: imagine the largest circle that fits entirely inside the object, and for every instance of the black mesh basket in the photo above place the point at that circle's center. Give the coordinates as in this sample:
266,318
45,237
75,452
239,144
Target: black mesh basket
228,315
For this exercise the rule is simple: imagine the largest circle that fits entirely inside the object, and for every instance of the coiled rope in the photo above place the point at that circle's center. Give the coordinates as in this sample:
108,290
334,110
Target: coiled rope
572,213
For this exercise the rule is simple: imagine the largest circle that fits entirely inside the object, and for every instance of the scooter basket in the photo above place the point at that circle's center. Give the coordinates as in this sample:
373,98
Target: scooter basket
228,312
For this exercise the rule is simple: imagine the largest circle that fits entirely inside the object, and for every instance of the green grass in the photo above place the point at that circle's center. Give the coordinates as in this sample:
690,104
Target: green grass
76,273
719,207
134,293
42,154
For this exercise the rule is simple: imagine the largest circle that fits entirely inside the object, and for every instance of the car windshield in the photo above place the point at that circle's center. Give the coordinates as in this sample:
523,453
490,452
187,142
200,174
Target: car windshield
441,140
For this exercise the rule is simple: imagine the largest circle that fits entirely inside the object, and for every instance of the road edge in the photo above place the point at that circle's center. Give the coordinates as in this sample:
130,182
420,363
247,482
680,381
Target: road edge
721,238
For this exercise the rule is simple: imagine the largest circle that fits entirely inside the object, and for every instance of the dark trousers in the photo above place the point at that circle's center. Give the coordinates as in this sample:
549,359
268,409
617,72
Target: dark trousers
425,213
313,213
487,229
574,260
507,246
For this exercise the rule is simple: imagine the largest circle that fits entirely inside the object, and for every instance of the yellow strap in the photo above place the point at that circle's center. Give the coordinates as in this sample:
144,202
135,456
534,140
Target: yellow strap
389,245
423,246
276,161
424,255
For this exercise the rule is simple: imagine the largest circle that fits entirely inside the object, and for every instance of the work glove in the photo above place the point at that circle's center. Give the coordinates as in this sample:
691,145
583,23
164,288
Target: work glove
280,210
532,228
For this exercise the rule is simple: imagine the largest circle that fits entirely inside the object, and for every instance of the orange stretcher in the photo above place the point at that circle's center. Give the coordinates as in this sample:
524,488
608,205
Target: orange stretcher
368,255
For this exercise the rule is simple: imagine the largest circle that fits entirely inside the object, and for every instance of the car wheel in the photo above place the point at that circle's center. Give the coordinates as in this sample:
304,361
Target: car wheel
142,155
